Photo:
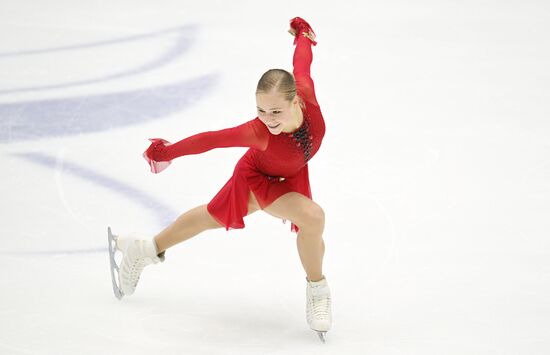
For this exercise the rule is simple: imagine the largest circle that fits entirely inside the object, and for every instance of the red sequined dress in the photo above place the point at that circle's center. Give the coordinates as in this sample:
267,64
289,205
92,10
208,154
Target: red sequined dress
273,166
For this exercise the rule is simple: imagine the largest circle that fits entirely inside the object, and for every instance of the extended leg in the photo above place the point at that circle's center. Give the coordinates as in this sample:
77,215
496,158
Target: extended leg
191,223
186,226
140,252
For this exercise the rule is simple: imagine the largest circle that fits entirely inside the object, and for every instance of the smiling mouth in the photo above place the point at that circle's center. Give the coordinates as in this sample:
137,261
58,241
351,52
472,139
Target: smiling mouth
274,126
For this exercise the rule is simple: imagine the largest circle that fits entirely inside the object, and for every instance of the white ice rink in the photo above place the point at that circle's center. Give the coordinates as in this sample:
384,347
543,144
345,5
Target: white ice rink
434,175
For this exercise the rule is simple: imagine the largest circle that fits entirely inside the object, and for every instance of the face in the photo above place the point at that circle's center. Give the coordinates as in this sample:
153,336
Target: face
275,112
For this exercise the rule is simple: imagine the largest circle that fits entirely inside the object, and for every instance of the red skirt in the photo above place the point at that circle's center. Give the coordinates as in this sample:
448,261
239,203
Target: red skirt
230,204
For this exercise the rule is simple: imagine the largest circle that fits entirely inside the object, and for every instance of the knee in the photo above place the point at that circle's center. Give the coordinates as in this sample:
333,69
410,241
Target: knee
313,218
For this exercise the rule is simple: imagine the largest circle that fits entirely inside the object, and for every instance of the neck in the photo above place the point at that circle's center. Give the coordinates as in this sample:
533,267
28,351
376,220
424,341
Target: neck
298,119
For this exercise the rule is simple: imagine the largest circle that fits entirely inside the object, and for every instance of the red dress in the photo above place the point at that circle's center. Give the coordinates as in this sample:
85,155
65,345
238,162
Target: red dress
273,166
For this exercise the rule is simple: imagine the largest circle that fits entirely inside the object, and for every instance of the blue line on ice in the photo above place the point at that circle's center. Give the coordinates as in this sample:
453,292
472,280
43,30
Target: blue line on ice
182,43
68,116
163,213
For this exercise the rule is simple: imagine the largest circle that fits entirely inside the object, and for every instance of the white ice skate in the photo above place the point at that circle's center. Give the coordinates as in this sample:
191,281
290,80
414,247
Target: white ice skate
137,253
318,311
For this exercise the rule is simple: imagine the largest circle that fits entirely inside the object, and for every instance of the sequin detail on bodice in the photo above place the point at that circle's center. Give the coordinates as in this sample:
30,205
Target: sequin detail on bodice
303,139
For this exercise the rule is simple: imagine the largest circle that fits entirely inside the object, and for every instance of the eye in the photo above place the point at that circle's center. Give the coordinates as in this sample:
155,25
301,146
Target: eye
276,112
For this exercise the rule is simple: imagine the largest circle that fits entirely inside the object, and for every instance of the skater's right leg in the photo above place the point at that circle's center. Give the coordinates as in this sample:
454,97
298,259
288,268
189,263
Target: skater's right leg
140,252
186,226
191,223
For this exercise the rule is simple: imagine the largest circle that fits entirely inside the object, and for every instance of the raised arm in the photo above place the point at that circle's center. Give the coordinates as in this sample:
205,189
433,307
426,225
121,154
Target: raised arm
303,56
252,134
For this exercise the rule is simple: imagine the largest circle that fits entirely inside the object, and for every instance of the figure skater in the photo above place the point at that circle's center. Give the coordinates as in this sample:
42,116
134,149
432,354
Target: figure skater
271,176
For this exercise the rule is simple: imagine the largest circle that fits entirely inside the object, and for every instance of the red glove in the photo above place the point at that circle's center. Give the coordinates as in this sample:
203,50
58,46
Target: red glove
154,155
301,27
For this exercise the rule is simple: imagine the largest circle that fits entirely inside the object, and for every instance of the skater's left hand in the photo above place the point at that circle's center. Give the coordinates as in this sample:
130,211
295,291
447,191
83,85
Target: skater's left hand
300,27
309,35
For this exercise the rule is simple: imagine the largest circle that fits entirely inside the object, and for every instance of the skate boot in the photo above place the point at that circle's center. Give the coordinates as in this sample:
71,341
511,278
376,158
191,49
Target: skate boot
137,253
318,312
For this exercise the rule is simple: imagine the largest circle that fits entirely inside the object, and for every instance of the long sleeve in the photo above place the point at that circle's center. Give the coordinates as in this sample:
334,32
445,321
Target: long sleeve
252,134
302,63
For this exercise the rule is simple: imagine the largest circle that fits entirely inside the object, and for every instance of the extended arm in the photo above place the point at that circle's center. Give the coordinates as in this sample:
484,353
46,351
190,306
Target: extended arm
251,134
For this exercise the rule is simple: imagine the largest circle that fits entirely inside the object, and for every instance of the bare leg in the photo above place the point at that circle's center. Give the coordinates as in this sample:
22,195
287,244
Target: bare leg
191,223
310,219
311,248
186,226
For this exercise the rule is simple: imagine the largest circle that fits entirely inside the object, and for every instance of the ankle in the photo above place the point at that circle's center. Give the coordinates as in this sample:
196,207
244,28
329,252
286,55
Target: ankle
160,254
315,279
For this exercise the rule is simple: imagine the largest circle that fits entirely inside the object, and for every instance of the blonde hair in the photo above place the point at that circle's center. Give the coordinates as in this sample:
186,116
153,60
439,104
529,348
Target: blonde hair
277,80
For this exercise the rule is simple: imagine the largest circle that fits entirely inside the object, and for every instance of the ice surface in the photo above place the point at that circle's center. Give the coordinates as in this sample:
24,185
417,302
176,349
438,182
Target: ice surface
434,176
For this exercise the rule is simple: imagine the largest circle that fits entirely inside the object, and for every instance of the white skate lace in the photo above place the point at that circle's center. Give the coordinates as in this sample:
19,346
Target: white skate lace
135,270
320,303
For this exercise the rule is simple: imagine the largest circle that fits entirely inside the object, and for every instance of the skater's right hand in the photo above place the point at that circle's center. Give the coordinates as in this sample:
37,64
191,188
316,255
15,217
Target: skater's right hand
157,149
155,155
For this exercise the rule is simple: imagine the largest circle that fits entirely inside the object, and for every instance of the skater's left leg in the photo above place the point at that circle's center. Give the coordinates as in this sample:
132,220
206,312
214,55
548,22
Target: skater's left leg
310,219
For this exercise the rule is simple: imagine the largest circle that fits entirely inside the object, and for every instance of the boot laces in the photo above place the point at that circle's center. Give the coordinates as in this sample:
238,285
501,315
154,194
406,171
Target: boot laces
320,301
135,270
136,266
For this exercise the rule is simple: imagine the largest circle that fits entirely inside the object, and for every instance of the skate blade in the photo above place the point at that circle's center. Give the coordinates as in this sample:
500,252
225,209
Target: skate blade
322,336
114,267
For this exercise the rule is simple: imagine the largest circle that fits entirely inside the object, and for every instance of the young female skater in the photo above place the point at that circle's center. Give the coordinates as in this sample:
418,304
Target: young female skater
271,176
